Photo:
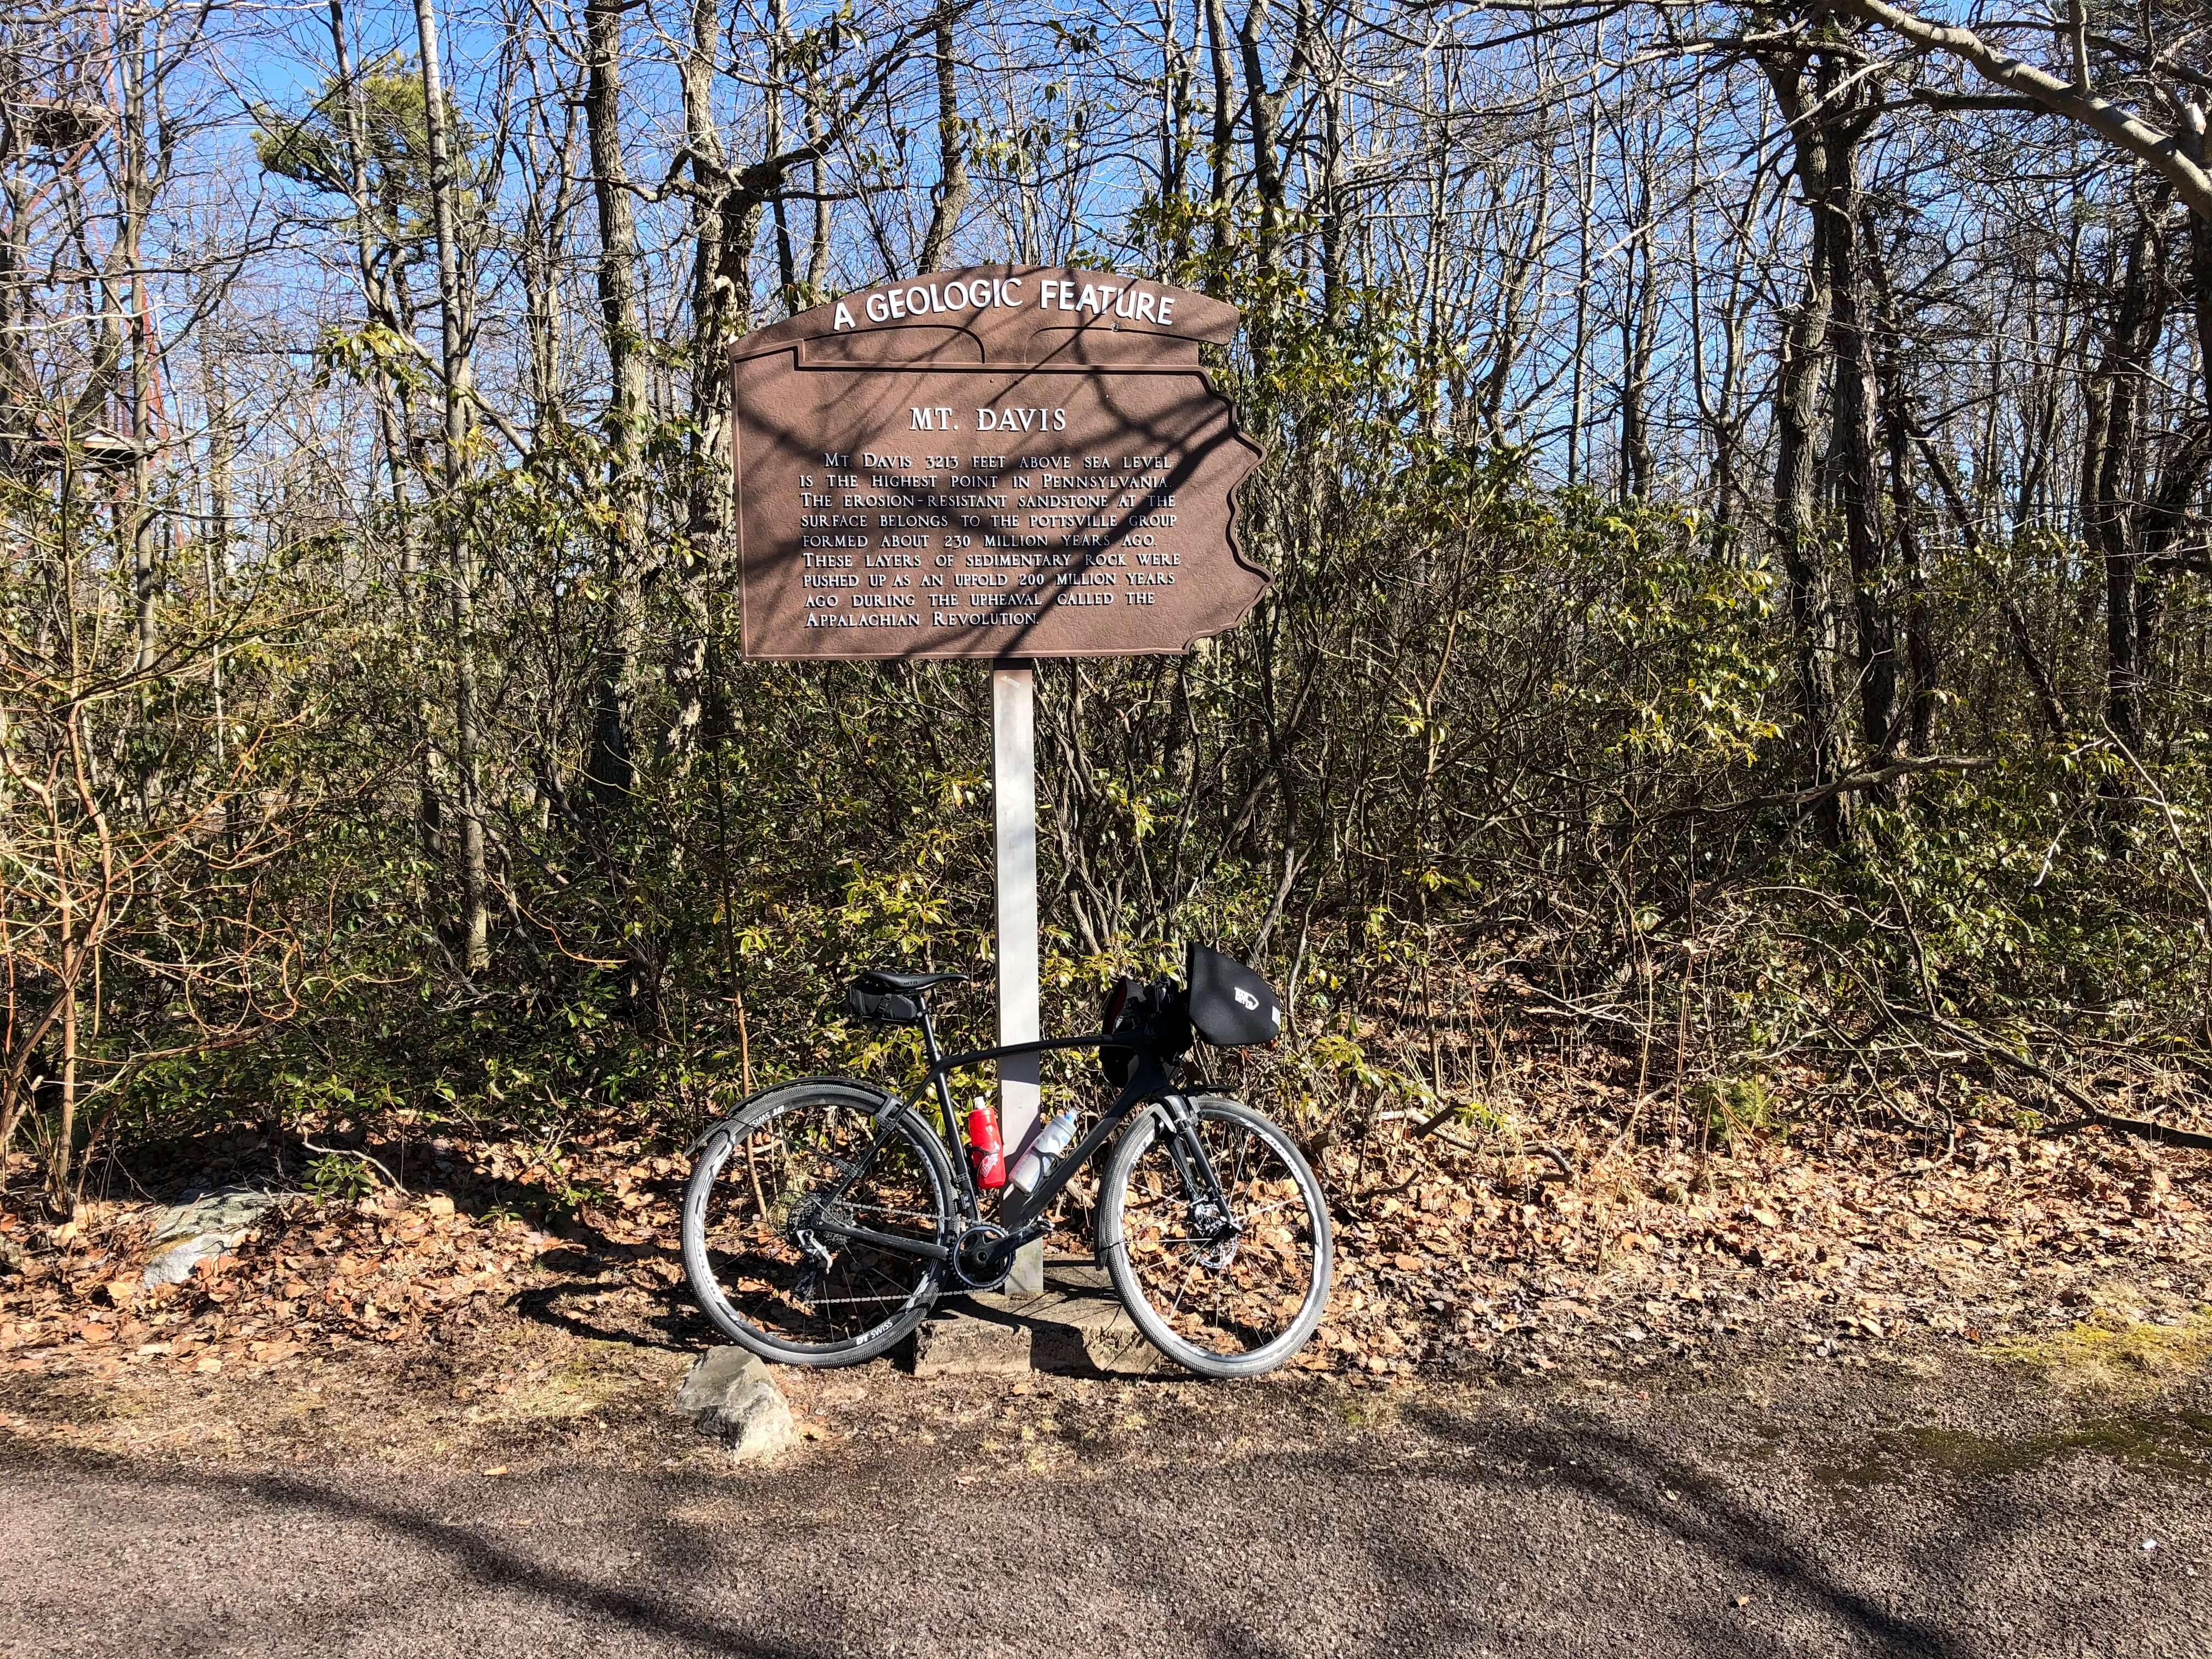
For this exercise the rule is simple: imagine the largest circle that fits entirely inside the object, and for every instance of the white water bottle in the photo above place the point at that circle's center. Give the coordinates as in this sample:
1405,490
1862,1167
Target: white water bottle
1052,1140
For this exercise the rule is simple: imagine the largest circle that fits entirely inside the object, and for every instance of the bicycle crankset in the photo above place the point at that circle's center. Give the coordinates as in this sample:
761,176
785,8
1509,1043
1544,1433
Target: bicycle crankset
983,1257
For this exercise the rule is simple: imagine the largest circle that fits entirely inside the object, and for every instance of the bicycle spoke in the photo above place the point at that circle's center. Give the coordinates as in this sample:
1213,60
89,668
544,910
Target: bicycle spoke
855,1166
1228,1284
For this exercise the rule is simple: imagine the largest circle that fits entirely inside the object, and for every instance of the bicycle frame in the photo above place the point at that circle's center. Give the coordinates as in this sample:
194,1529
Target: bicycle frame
1022,1215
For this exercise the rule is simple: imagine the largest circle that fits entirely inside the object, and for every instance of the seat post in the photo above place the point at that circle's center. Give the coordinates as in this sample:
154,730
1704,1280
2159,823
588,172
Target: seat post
932,1053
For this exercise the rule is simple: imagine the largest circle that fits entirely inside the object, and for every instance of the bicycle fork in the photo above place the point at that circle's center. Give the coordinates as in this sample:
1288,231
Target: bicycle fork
1210,1215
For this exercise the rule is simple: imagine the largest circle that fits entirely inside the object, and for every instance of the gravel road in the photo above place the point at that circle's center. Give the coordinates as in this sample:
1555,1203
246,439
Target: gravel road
1799,1508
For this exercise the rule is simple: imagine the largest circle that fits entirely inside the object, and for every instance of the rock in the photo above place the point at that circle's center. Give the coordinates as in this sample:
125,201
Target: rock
729,1393
709,1382
953,1342
202,1229
1076,1326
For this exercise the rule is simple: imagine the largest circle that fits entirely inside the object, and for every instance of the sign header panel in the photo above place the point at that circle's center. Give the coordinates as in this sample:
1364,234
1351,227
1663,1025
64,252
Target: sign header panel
1003,462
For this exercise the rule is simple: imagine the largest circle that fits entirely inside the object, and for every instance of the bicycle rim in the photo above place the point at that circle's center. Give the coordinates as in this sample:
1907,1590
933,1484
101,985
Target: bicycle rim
1232,1295
765,1276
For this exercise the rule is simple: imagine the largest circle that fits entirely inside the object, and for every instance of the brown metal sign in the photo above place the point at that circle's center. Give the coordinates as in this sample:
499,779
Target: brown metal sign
1010,461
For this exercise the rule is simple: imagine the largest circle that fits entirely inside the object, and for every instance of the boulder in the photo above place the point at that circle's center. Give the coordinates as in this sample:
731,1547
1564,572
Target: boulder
1075,1325
954,1341
729,1393
201,1229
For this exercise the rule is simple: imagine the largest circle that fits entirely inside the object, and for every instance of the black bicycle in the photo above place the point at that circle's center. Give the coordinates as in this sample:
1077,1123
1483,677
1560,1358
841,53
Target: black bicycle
825,1216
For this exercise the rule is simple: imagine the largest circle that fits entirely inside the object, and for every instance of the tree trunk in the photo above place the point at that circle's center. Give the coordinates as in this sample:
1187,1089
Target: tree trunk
1174,109
1262,114
214,544
64,1143
1887,345
1852,441
2113,469
1638,325
779,55
707,482
544,239
709,506
394,421
1585,217
460,548
609,768
1805,352
950,198
818,137
1223,134
1336,206
134,196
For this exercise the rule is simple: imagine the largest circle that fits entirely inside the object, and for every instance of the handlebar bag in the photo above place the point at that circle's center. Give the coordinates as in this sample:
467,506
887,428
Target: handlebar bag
1118,1019
1230,1006
1151,1016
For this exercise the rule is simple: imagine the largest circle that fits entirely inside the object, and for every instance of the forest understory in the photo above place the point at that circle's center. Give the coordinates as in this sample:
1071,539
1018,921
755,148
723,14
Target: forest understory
1607,1235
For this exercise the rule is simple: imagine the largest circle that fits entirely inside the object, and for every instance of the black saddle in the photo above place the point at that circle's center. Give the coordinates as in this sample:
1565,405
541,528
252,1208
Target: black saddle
882,979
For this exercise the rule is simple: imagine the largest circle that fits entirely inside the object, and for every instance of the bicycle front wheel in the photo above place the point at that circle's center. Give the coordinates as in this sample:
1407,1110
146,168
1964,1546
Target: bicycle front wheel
1231,1293
772,1190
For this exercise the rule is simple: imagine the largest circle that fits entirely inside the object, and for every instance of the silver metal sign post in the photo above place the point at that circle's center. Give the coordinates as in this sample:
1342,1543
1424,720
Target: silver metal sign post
1013,805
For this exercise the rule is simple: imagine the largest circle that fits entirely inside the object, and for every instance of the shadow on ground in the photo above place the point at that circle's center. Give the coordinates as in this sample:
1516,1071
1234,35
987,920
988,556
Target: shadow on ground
1261,1520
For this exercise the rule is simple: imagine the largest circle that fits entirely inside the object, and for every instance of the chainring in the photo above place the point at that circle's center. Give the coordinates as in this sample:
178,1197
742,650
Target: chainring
968,1250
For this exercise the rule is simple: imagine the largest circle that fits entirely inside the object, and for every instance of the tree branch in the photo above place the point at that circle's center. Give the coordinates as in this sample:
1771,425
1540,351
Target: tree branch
2161,151
1851,784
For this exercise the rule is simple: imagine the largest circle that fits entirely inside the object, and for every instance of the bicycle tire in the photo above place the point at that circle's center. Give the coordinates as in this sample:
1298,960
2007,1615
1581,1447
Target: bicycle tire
1129,1275
798,1122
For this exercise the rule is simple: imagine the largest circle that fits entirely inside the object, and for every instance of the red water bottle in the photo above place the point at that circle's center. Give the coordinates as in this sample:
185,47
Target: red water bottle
985,1155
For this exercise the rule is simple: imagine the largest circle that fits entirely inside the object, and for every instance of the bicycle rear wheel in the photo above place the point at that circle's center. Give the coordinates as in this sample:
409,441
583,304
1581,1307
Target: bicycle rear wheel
1223,1295
760,1266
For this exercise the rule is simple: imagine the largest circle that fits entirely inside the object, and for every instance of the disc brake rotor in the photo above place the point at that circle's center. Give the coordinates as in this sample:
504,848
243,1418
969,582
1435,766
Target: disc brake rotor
1216,1235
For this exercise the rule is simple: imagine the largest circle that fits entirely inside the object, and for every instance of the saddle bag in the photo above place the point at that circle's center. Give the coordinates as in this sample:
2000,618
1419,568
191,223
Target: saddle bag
882,1007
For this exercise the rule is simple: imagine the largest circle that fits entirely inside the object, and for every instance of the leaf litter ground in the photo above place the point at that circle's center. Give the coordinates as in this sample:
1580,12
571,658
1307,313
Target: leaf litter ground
506,1298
